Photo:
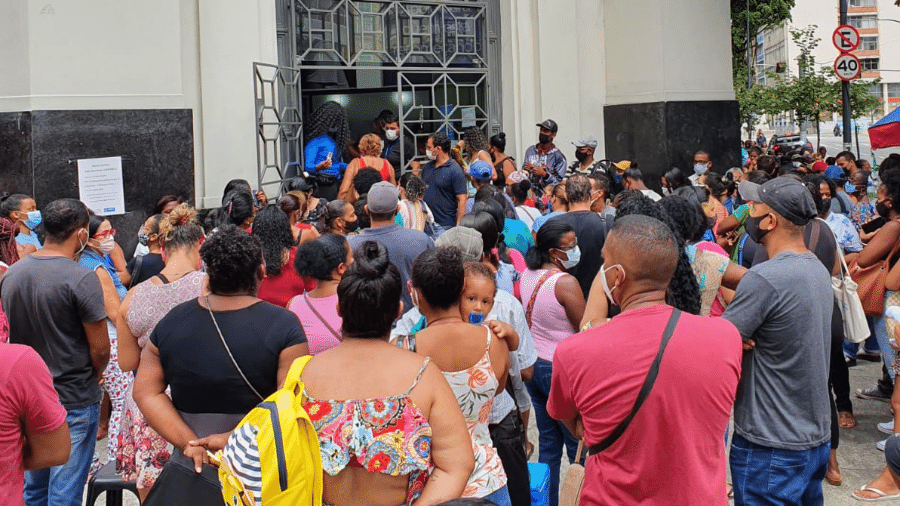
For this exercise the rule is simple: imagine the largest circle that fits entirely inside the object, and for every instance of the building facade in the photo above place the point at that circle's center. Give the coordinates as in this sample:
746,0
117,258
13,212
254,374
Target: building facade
193,93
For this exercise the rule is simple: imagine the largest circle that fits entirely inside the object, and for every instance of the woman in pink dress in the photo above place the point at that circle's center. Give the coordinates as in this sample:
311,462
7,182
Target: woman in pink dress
142,453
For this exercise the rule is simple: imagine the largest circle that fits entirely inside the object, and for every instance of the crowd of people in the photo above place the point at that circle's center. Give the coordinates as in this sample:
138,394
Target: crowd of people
443,303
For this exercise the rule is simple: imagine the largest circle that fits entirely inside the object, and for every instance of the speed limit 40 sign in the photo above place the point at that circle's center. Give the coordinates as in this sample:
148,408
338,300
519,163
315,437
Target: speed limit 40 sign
847,67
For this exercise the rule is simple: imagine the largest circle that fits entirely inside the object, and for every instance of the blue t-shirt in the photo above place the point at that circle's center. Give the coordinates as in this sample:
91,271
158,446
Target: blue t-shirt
443,184
540,220
517,236
316,152
25,240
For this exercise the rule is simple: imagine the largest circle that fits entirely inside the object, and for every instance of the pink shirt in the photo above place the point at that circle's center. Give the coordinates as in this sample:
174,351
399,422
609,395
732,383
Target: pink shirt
672,452
549,323
318,336
27,397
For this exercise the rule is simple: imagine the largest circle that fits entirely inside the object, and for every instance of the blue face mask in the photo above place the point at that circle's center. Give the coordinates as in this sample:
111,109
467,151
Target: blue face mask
617,178
849,188
34,219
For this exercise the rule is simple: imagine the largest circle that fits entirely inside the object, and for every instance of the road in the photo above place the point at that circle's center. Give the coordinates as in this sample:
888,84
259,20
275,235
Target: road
834,145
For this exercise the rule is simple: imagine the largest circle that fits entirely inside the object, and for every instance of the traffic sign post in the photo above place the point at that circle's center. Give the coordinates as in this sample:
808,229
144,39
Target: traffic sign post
845,38
847,67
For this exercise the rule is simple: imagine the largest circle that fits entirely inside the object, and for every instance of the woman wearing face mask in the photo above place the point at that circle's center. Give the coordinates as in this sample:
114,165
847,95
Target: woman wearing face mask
673,180
339,218
504,164
863,210
148,265
22,211
116,383
554,305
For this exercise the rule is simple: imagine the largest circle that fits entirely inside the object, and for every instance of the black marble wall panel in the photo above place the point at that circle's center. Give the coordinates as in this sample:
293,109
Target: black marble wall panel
156,146
15,153
662,135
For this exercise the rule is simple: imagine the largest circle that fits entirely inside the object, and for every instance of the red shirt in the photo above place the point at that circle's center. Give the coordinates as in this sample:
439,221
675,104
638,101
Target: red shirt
673,452
27,399
280,289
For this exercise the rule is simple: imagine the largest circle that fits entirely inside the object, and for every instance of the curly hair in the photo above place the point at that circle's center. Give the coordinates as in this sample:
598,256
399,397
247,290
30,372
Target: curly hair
414,186
365,179
369,293
684,291
687,216
548,237
273,229
232,258
329,119
475,140
439,276
480,269
179,228
319,258
370,145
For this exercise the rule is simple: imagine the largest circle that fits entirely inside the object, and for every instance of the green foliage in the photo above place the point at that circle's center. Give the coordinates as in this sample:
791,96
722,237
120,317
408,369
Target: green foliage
763,14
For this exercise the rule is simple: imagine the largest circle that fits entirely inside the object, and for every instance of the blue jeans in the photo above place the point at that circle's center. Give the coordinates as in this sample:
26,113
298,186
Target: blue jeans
870,345
500,497
553,434
773,477
64,485
887,353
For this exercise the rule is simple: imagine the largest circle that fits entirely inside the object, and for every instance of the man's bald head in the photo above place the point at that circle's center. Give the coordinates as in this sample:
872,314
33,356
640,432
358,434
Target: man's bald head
646,249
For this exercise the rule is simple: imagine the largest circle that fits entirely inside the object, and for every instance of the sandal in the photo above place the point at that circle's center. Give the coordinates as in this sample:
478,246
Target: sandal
846,420
881,495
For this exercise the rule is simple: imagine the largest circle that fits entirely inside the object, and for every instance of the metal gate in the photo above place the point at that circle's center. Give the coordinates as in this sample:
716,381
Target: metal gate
445,55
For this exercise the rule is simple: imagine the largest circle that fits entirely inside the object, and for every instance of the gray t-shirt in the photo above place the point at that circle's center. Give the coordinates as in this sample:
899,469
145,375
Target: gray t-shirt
784,305
404,247
47,301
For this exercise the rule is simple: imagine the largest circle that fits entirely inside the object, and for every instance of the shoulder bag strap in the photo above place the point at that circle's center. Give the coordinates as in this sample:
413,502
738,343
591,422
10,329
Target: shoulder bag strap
228,350
336,335
645,388
137,269
540,283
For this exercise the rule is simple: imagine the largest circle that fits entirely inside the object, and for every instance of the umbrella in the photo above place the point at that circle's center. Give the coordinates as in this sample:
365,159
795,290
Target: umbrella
886,132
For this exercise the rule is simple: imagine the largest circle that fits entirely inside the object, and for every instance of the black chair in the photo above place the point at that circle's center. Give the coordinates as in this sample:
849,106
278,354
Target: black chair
106,480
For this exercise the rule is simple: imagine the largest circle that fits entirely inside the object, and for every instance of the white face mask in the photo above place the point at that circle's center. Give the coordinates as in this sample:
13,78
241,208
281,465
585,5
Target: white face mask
107,245
430,154
701,168
606,289
391,134
574,257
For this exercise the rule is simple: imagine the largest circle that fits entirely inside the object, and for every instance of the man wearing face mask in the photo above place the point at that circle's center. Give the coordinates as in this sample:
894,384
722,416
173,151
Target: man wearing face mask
598,374
702,165
782,412
445,184
392,151
544,162
584,158
56,306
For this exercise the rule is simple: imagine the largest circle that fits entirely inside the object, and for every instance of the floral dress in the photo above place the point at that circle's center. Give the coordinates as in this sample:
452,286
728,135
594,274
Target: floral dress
141,453
862,212
475,388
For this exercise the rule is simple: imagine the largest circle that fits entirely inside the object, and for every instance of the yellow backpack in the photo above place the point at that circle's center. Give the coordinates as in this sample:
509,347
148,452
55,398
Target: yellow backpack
272,458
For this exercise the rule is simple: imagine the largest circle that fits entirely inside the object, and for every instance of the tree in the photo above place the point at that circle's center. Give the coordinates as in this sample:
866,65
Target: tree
762,14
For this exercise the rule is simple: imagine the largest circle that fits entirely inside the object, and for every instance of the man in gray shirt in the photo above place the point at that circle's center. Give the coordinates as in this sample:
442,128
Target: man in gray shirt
782,309
403,245
56,306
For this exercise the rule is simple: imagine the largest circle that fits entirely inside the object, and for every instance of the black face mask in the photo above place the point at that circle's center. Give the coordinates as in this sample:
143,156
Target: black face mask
826,205
351,226
543,139
581,156
753,230
883,210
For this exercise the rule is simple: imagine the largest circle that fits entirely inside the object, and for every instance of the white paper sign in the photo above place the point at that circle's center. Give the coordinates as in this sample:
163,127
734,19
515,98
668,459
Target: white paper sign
100,185
468,117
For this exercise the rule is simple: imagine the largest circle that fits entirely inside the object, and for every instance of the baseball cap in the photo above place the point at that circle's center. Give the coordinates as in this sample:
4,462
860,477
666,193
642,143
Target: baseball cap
588,141
517,177
480,170
785,195
819,166
549,124
383,198
834,172
623,165
468,240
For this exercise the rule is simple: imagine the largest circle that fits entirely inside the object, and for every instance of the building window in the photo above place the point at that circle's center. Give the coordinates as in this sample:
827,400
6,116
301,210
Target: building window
875,90
862,3
863,21
893,90
869,64
868,43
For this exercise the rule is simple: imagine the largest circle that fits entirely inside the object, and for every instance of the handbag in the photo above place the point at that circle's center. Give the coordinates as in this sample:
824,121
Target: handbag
856,330
570,494
870,281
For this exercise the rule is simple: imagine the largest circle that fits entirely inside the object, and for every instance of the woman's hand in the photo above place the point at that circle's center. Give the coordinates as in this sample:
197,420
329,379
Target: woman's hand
325,165
198,455
213,442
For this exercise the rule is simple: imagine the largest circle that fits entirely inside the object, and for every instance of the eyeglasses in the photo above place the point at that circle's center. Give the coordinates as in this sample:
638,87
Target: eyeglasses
102,235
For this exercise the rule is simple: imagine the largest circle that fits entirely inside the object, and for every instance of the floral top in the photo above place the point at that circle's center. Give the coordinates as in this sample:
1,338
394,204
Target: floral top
709,268
387,435
846,234
475,388
862,212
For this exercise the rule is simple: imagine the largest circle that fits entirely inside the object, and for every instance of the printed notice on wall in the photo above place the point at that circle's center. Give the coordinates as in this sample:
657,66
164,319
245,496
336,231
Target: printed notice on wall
468,117
100,185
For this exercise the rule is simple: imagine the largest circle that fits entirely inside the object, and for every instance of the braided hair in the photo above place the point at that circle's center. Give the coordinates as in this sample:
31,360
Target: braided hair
330,119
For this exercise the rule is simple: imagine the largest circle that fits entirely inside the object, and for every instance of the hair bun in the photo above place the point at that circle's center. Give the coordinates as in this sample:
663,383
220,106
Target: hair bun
371,260
502,136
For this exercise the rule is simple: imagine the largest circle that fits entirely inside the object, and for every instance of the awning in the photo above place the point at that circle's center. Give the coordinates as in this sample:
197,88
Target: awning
886,132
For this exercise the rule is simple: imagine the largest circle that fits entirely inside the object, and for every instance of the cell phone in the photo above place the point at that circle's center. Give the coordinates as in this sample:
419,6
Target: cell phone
329,155
873,225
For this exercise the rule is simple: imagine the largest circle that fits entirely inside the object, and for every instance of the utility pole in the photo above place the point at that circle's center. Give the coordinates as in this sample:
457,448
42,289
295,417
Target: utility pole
845,92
